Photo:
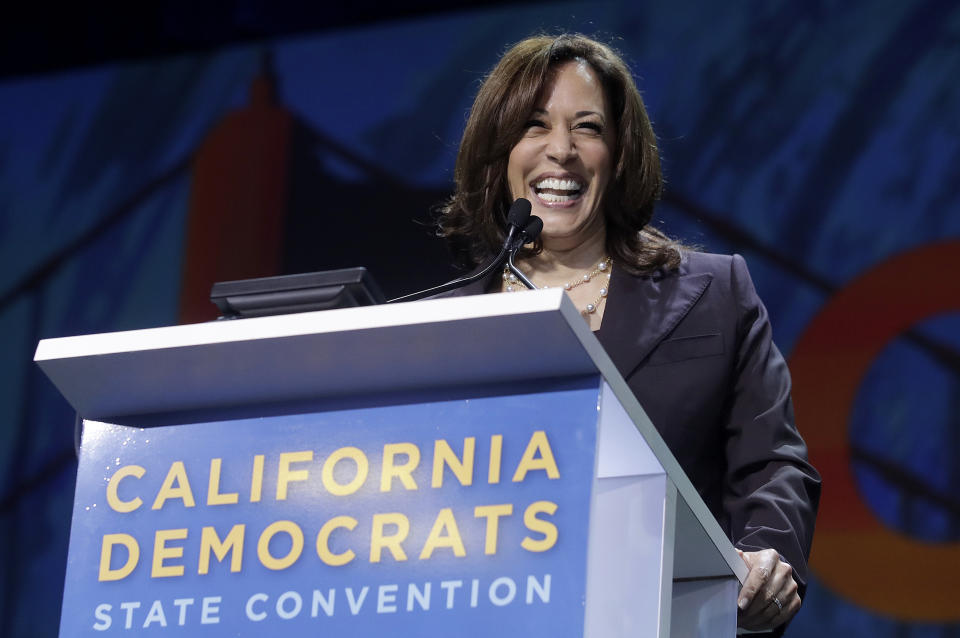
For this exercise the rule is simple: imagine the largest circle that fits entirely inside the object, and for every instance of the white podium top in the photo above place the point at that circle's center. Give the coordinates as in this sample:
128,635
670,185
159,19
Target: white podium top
411,346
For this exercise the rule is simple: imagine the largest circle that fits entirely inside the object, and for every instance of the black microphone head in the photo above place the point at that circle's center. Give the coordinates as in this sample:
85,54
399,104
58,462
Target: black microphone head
532,230
519,213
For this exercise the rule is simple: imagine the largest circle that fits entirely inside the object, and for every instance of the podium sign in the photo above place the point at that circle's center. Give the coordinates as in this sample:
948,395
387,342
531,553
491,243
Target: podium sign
464,517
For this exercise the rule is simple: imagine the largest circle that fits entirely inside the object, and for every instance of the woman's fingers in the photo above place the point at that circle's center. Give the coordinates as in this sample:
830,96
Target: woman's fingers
762,565
769,595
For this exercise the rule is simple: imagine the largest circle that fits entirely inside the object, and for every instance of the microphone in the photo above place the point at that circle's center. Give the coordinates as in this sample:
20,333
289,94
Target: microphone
532,229
518,219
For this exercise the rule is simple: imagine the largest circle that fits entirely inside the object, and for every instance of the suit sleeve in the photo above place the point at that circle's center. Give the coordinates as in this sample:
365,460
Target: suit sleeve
772,491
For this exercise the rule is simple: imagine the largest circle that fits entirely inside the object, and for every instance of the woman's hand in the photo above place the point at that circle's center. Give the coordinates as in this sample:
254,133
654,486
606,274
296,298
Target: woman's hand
769,596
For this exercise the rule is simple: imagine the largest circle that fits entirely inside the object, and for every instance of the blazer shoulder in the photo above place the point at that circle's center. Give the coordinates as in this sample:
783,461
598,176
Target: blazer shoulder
723,269
716,264
731,282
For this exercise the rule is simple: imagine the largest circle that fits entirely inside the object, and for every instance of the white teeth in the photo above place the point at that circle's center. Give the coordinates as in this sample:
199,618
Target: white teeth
554,183
550,197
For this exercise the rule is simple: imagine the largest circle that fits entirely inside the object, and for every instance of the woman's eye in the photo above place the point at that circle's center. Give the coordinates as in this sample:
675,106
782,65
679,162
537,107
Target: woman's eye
534,124
591,126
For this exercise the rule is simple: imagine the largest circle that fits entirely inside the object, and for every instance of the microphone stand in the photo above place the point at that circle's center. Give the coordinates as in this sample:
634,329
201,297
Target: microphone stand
523,228
516,271
456,283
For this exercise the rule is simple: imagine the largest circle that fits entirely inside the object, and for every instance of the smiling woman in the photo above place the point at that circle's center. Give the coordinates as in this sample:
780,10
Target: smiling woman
559,121
504,107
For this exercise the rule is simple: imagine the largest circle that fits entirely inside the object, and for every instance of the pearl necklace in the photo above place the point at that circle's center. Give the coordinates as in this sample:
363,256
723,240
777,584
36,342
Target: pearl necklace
602,269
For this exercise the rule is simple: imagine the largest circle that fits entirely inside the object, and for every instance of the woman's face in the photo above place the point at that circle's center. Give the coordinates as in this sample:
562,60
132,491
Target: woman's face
563,162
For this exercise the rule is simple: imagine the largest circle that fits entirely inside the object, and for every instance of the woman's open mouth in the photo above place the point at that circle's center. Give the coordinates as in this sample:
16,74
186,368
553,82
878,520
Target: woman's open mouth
553,190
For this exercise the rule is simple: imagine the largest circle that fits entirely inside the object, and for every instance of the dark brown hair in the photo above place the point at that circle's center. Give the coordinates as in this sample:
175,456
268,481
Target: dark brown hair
474,217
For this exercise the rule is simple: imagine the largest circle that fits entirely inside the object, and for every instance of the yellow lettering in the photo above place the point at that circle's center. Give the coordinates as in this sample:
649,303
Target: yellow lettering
530,461
379,541
113,485
176,475
344,489
444,455
214,497
232,543
161,552
404,471
106,554
534,524
445,523
496,452
296,547
323,541
256,481
285,475
492,513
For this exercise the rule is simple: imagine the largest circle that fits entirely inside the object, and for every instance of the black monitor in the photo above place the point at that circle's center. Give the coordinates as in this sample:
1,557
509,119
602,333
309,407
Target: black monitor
287,294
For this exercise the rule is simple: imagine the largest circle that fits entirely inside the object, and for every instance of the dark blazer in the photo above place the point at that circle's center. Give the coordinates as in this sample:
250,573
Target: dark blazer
694,344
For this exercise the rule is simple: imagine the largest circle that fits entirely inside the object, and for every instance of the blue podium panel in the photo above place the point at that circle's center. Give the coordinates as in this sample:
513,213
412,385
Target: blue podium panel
464,517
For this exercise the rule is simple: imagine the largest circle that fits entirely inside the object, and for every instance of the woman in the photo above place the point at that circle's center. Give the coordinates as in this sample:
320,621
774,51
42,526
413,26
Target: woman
560,122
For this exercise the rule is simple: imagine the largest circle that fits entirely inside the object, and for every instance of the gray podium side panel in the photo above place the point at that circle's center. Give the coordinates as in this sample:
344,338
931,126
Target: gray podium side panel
697,556
704,588
628,572
653,569
630,559
704,608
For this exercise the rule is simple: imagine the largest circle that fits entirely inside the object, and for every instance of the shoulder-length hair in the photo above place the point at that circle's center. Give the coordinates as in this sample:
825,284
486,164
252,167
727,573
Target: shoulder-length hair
474,217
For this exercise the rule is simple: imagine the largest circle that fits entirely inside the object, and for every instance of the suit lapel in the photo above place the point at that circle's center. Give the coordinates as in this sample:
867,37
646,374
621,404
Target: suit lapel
642,311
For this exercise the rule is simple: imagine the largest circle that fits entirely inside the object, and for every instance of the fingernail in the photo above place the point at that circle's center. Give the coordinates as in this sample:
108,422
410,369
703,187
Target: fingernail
742,604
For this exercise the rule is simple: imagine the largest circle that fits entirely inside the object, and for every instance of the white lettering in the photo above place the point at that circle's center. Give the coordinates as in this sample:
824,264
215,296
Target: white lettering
387,599
102,614
297,605
256,616
498,600
451,586
543,590
423,598
183,603
474,591
210,610
155,615
356,603
320,601
129,607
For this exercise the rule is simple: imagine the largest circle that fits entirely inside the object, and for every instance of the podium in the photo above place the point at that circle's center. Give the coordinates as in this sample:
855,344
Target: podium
463,466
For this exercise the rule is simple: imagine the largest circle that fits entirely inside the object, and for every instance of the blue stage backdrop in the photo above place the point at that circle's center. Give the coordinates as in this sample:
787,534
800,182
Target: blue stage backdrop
818,139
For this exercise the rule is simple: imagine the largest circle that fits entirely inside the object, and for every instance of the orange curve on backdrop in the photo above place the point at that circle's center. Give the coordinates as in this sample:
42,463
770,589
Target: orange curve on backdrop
854,554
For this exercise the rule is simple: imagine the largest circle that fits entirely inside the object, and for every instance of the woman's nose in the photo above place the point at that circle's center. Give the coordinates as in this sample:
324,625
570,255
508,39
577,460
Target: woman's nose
560,146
